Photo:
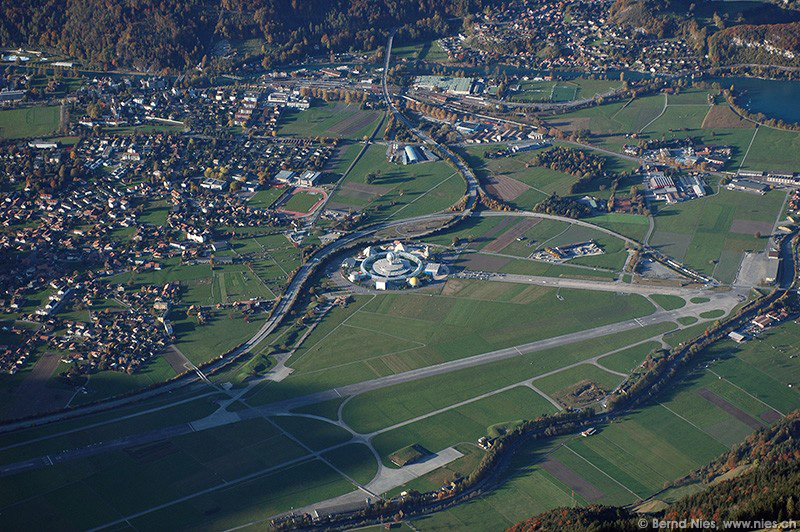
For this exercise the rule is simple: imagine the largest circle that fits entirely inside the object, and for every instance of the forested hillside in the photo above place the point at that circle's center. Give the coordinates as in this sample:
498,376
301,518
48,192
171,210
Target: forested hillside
150,34
777,44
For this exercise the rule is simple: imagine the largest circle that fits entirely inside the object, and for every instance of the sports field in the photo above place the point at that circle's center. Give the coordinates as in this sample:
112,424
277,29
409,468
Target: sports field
562,91
302,201
263,199
29,122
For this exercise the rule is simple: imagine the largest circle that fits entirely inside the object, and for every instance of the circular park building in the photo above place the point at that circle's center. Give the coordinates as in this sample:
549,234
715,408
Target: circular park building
392,267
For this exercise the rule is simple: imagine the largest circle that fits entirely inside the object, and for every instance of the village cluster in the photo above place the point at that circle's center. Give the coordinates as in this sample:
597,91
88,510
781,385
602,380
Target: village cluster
572,35
69,237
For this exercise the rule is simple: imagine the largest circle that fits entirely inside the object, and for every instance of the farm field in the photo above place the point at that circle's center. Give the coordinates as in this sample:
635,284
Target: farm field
686,114
634,457
329,120
711,234
509,179
773,149
508,237
398,191
29,122
630,225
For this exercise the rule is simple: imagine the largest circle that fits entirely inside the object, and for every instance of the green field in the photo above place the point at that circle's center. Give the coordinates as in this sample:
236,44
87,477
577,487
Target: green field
773,149
630,225
468,318
329,120
562,91
301,201
354,460
668,302
710,235
629,359
263,199
398,191
29,122
636,456
541,182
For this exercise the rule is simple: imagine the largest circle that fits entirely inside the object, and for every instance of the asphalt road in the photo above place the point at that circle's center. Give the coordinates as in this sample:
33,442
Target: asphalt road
603,286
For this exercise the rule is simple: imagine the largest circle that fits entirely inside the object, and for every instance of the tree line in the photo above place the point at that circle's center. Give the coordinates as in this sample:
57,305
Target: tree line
177,34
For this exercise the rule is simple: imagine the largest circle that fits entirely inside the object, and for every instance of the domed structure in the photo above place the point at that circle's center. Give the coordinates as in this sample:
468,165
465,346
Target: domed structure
392,266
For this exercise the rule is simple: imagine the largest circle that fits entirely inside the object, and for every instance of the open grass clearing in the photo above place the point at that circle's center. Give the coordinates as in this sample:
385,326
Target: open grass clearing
668,302
470,317
29,122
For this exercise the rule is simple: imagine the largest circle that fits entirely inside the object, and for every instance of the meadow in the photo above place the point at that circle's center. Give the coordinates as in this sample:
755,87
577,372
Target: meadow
398,191
29,122
337,120
711,234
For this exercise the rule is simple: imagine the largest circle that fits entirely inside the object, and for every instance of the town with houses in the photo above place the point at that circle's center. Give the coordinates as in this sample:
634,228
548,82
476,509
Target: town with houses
362,278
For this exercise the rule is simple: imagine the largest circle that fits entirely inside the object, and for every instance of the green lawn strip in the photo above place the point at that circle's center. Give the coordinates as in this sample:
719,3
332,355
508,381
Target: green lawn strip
668,302
687,320
313,433
629,359
556,385
252,501
179,414
380,408
684,335
328,409
355,460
